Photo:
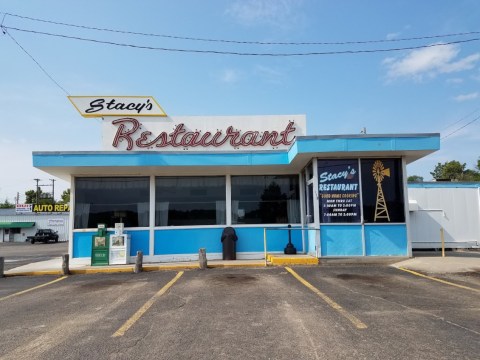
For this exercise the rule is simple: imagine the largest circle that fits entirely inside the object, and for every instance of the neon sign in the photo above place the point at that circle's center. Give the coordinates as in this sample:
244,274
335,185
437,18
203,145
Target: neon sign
129,130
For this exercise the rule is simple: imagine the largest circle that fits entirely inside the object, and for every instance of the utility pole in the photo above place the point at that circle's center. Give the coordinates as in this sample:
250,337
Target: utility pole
37,180
53,191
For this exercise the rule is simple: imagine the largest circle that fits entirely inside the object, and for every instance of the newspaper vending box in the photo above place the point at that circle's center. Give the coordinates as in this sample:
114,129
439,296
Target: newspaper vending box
100,247
119,246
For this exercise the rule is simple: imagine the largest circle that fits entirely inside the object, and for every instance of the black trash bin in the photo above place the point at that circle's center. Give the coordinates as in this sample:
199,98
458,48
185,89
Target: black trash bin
229,244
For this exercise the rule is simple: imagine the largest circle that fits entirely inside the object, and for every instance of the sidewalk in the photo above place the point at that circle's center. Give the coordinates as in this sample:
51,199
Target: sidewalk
54,267
426,264
439,265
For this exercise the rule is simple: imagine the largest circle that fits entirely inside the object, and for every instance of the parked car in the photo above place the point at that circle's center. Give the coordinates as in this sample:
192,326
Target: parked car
43,235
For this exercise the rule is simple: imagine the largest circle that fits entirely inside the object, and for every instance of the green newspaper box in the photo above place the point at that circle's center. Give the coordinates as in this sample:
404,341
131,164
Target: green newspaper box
100,247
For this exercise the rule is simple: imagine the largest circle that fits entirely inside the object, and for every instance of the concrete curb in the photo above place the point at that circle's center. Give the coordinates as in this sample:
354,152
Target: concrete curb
422,264
281,260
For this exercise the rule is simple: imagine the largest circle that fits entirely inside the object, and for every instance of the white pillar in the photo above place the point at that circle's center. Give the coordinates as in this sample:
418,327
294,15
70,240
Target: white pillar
151,224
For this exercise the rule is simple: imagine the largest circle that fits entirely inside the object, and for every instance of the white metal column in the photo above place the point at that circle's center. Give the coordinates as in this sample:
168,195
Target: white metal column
301,189
71,215
228,199
362,220
406,206
316,208
151,225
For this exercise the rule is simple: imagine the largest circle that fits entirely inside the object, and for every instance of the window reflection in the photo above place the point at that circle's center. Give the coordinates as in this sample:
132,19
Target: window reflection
265,199
190,201
111,200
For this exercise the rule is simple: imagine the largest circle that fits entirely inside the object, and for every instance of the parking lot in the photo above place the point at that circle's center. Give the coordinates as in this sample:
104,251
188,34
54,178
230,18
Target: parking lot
18,254
321,312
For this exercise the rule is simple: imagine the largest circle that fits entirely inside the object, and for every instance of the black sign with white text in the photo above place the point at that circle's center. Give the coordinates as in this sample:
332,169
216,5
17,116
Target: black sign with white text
339,191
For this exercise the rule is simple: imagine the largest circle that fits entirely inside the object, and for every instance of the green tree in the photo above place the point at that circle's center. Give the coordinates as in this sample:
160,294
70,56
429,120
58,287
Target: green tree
31,197
7,205
415,178
65,197
451,170
455,171
471,175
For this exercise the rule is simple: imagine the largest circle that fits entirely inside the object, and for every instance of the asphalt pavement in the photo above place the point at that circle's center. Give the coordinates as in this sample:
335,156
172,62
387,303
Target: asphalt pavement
17,254
302,312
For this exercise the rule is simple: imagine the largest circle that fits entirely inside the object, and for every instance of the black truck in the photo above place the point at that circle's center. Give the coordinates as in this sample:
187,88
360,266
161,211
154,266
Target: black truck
43,235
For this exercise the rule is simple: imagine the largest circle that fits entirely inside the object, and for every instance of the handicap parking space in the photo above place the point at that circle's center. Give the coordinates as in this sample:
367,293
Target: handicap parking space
254,313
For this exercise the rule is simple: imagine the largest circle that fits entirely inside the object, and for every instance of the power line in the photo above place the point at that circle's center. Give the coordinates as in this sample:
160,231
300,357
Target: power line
464,126
461,119
217,52
35,61
240,41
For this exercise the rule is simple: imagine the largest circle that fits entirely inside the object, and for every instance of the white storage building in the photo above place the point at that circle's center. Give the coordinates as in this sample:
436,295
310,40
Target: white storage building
453,206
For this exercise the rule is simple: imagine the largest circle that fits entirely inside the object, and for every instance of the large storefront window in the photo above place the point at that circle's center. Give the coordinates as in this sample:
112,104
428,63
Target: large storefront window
265,199
382,191
183,201
111,200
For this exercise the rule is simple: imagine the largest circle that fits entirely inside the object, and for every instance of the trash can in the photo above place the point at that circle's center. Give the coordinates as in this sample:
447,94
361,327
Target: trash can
229,241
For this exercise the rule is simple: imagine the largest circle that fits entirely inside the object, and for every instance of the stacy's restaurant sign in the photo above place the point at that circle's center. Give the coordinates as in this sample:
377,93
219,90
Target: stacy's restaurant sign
140,124
100,106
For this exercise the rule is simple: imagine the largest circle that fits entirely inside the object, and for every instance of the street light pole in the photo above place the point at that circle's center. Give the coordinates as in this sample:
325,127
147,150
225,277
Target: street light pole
53,191
36,192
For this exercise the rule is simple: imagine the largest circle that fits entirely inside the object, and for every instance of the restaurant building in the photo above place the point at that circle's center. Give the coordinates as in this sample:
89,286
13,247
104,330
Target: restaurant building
176,182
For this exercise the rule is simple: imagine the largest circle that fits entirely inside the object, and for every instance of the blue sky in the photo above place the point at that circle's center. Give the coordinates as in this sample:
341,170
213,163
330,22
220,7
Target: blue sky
435,89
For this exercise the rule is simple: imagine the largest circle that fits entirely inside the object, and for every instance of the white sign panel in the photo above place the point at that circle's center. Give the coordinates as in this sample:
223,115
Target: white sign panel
100,106
203,133
23,208
56,222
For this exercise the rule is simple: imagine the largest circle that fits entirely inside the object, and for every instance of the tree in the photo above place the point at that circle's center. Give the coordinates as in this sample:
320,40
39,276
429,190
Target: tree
7,205
65,197
31,197
455,171
471,175
415,178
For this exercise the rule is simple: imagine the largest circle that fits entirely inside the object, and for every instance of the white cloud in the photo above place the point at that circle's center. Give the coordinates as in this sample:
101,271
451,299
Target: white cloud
466,97
429,62
455,81
229,76
269,74
392,36
476,76
279,13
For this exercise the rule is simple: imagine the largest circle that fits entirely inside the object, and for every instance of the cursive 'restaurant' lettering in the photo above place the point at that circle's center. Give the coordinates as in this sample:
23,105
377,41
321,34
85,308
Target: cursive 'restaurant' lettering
128,130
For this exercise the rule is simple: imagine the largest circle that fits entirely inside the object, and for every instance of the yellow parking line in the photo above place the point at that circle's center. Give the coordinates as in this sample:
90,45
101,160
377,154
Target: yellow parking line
129,323
353,319
31,289
439,280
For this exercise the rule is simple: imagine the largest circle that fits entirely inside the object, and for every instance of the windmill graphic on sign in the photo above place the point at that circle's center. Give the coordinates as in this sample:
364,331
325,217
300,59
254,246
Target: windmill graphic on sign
379,173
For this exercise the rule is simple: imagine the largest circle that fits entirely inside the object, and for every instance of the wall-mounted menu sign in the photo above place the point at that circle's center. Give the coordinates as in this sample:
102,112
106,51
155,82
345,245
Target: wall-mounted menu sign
339,191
